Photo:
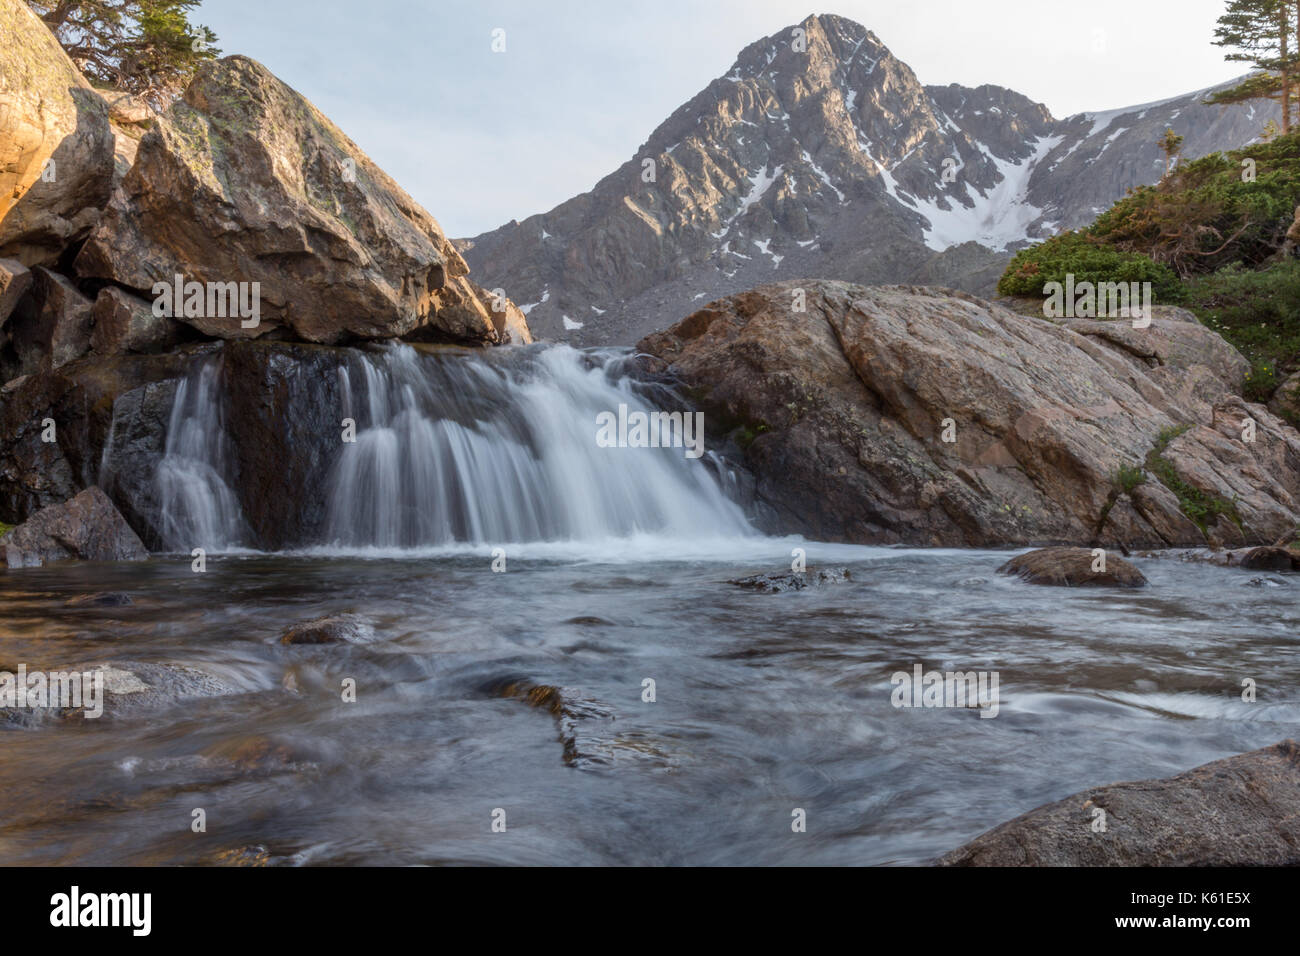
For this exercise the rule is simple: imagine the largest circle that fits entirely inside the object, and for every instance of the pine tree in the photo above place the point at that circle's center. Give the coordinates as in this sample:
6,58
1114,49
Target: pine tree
1262,33
145,47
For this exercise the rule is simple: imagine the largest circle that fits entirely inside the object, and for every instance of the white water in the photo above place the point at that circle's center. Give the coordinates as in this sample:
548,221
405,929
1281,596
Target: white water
455,451
197,505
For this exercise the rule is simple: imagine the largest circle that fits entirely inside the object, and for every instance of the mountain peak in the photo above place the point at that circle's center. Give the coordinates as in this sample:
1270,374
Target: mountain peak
820,153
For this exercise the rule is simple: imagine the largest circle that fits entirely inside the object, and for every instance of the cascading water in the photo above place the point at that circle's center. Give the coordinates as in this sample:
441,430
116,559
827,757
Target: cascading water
457,448
463,448
197,506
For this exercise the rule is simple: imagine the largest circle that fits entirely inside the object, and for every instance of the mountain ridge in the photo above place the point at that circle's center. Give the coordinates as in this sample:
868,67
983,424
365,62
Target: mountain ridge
821,154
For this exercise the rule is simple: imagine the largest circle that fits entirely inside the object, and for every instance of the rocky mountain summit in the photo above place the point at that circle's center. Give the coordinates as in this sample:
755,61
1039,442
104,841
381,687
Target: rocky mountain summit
821,154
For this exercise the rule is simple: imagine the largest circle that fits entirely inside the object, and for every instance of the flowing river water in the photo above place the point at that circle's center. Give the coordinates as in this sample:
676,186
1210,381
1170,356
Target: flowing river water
618,569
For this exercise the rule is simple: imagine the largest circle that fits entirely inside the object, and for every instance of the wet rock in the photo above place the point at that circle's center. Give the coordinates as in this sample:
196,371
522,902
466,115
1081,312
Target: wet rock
1073,567
1264,558
1241,811
777,583
1270,559
842,396
86,528
256,753
128,687
255,855
1266,583
131,686
56,146
330,629
574,716
339,250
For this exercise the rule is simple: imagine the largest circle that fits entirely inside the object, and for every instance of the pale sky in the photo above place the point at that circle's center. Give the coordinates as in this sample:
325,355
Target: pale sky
480,138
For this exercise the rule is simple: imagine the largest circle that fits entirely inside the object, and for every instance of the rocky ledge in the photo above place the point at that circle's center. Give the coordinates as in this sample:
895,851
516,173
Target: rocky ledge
895,414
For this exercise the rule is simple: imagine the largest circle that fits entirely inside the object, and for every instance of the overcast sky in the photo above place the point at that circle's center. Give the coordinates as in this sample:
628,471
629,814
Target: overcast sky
480,138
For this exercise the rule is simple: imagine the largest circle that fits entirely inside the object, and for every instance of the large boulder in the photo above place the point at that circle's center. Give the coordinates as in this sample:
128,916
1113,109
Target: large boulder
1241,811
901,414
56,147
242,181
87,527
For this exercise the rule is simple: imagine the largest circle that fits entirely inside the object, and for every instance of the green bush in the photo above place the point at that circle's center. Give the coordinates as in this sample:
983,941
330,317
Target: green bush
1075,253
1128,477
1205,215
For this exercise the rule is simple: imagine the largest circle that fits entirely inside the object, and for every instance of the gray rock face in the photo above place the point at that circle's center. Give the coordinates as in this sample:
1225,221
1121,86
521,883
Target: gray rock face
244,181
1073,567
86,528
1240,811
56,147
770,172
893,414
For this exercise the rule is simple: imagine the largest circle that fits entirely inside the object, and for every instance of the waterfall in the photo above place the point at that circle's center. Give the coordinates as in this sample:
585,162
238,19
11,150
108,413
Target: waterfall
453,447
197,506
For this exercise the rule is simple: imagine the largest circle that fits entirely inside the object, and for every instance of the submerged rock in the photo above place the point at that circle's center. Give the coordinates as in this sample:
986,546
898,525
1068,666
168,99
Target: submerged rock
1263,558
1270,559
330,629
776,583
139,685
1240,811
573,715
101,599
898,414
127,687
86,528
1073,567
